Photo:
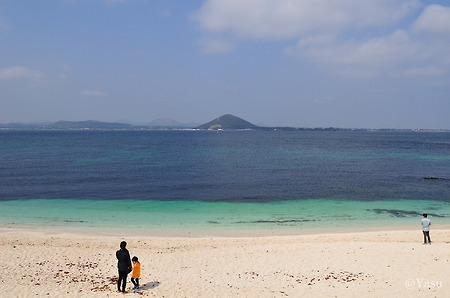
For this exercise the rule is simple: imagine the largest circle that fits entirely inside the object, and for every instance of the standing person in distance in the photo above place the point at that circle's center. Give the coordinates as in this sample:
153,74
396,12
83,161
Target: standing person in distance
426,223
123,265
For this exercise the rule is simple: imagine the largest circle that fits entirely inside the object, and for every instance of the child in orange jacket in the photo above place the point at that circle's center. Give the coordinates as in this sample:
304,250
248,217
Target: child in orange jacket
136,273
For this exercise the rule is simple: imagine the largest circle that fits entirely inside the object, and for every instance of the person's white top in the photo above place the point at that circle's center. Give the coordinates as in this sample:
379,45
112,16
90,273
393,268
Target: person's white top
426,223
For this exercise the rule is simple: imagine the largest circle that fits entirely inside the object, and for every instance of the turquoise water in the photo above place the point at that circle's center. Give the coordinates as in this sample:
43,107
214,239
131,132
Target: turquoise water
230,182
217,218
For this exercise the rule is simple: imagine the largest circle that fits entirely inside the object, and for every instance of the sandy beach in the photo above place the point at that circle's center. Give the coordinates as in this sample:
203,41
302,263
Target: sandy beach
359,264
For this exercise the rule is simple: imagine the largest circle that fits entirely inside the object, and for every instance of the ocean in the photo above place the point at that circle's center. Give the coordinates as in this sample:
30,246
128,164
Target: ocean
223,182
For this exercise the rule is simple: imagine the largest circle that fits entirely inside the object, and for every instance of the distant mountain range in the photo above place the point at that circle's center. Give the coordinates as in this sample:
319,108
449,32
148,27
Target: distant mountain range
96,125
225,122
62,125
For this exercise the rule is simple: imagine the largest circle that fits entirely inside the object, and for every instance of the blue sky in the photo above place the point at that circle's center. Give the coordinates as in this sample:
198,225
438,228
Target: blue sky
302,63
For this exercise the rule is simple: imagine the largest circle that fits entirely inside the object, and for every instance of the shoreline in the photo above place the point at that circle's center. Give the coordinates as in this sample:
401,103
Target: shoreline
210,233
365,264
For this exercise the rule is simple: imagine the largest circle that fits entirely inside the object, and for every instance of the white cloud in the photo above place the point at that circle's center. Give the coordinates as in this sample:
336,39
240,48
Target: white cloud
93,93
359,58
434,20
386,49
271,19
19,72
216,46
358,38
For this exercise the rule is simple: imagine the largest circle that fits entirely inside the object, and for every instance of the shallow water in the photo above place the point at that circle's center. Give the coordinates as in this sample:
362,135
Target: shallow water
220,218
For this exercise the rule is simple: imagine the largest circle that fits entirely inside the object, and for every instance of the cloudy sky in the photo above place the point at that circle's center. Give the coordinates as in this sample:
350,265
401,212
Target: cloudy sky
302,63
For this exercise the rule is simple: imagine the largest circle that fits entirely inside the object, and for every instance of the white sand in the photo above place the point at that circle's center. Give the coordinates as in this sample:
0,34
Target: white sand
362,264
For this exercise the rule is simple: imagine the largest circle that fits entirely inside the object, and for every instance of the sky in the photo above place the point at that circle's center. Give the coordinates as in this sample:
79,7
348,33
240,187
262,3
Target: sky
301,63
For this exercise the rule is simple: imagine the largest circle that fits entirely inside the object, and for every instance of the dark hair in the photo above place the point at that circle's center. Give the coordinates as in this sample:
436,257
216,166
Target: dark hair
425,215
123,244
134,259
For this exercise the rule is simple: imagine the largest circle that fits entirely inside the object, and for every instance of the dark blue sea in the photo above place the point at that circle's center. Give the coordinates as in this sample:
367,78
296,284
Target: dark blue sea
223,180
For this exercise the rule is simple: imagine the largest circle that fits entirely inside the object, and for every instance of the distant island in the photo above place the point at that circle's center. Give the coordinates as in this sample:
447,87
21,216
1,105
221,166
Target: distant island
225,122
231,122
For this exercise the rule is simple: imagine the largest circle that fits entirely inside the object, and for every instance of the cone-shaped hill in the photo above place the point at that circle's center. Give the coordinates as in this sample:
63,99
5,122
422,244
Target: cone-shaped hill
227,122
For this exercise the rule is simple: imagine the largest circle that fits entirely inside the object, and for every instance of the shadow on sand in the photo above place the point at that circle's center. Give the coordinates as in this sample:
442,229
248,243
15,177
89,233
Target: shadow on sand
147,286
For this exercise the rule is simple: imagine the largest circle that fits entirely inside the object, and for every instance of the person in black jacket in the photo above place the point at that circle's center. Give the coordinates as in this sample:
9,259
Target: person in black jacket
124,265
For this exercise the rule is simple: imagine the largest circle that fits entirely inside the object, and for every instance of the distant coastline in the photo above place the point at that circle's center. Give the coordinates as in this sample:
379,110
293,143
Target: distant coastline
225,122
